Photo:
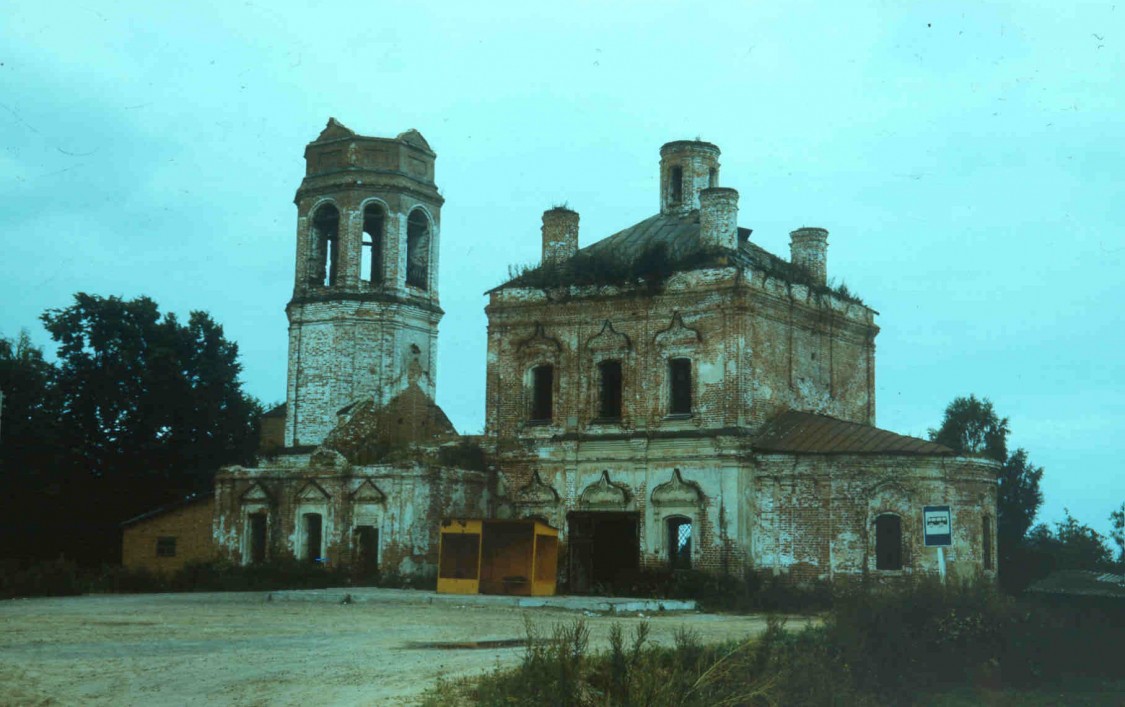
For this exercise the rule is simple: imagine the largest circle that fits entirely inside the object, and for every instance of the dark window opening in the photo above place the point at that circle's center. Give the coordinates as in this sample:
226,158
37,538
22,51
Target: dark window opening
610,401
713,178
166,546
367,548
371,265
679,543
542,393
325,262
986,541
679,376
257,538
888,542
417,249
314,525
677,184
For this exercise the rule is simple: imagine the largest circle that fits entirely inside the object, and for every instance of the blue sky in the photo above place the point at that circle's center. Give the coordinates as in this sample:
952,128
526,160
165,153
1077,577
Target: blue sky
966,159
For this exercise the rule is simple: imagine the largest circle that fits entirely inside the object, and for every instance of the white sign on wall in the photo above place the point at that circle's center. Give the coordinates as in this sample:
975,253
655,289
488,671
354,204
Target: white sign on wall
937,522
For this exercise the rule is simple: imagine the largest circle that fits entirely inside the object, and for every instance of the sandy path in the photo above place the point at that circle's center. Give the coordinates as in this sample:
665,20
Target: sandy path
237,649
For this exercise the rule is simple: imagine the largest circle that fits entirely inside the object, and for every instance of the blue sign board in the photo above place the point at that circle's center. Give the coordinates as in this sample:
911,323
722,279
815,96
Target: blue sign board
937,524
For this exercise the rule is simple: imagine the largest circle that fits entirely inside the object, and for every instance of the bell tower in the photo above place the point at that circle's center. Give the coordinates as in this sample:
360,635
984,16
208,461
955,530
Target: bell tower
364,315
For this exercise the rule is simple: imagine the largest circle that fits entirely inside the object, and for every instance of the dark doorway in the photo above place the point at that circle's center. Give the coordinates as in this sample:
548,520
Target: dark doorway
604,548
257,538
888,542
313,526
367,549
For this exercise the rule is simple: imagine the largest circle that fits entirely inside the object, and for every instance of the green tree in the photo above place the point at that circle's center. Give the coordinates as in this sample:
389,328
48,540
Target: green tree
149,408
972,426
1117,519
1073,546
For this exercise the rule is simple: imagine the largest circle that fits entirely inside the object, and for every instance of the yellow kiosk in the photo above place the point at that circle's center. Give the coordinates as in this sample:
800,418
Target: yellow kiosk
517,557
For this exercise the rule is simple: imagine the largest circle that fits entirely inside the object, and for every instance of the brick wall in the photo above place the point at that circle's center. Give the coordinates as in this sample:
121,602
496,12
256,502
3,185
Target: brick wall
189,525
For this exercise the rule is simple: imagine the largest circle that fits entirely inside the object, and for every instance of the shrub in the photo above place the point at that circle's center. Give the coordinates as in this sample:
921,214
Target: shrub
53,578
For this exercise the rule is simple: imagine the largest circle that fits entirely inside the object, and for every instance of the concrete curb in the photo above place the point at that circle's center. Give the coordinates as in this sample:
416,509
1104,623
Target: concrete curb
365,595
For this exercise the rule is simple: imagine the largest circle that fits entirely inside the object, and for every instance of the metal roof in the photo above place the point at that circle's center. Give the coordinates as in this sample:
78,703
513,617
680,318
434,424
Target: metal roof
1082,583
808,433
169,507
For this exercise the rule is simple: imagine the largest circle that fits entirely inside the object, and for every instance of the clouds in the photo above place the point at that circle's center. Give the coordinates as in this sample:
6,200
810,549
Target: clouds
965,160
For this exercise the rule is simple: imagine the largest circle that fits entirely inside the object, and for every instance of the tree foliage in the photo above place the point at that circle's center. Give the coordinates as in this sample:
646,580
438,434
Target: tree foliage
138,411
1072,546
1117,522
971,426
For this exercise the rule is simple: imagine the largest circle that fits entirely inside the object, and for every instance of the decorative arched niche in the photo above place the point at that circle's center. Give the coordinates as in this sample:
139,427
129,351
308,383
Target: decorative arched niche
677,507
890,518
313,522
539,357
254,513
604,495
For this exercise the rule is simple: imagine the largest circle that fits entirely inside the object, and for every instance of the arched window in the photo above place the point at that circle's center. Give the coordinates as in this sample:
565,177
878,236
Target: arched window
679,386
325,261
314,524
371,259
677,184
609,400
679,543
888,542
417,249
542,393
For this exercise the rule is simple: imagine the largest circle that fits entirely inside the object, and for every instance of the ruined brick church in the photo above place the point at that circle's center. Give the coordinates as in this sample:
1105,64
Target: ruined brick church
670,396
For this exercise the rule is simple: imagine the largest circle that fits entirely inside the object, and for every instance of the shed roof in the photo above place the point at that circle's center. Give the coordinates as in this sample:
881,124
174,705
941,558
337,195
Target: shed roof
184,502
1081,583
809,433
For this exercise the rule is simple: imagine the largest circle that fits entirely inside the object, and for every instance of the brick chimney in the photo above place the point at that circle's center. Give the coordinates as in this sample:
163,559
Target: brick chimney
718,217
808,247
560,234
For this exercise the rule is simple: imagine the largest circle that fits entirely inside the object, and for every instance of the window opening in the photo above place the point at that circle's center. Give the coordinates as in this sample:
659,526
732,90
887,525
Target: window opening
367,548
677,184
610,402
986,540
679,375
371,265
417,249
313,530
713,178
542,393
679,543
166,546
888,542
257,538
460,556
326,246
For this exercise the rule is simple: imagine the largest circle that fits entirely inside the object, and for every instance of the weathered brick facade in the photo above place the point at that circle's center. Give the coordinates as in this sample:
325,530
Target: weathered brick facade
760,337
670,396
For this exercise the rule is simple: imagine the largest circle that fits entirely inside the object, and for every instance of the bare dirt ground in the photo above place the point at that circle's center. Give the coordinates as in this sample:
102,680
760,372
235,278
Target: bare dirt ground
239,649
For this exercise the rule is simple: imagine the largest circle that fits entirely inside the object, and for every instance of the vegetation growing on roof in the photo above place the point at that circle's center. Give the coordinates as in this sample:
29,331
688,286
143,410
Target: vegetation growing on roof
654,266
650,268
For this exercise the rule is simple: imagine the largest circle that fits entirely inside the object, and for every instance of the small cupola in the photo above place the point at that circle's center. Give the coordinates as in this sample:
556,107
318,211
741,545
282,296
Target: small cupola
687,167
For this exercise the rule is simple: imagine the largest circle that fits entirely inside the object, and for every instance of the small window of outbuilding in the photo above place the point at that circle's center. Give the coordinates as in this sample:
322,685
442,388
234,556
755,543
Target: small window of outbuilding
679,543
679,386
371,267
542,393
166,546
888,542
609,407
417,249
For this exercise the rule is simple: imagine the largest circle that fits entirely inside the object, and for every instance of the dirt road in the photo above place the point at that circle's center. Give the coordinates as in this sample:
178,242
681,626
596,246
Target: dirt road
239,649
